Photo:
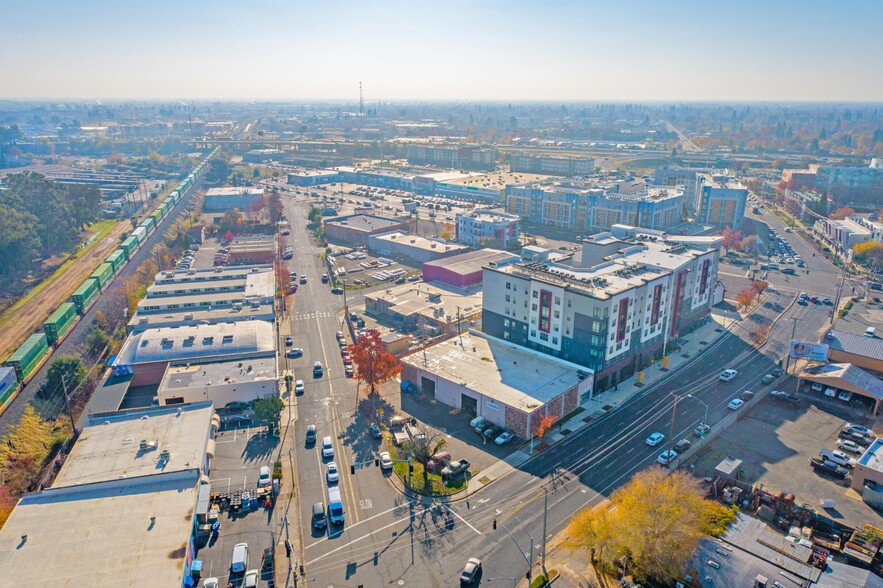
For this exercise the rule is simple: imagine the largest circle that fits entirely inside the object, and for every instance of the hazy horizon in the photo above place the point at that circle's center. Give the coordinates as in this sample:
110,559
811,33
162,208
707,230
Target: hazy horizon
560,51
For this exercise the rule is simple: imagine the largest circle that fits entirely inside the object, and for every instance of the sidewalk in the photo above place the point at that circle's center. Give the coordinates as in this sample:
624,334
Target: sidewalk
604,402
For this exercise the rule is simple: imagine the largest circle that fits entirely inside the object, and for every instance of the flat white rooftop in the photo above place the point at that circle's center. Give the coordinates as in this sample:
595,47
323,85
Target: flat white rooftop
203,375
406,240
233,190
109,449
512,375
102,535
433,300
190,316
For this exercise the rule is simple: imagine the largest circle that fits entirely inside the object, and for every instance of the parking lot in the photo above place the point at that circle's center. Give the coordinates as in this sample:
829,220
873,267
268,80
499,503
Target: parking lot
361,268
240,451
775,441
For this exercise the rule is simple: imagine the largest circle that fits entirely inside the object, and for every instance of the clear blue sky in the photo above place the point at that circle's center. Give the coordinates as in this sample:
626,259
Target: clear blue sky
445,49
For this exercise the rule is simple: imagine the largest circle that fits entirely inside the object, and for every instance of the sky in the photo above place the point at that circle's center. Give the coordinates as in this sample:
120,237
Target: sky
511,50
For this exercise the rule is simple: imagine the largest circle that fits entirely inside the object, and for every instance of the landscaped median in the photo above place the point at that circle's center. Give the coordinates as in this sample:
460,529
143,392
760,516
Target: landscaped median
422,481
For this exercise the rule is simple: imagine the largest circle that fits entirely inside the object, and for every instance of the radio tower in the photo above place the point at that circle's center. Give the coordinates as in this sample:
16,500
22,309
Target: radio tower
361,102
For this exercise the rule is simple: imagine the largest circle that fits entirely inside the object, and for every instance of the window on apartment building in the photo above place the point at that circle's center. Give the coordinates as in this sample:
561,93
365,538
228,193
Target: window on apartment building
569,304
533,306
536,294
506,322
544,336
558,300
506,335
508,298
533,333
554,340
508,285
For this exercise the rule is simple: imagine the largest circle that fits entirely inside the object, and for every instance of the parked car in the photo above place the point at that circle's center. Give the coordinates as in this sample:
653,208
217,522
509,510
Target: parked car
348,371
784,396
837,457
701,430
850,446
478,424
264,477
682,445
654,439
240,558
735,404
504,437
858,429
471,571
491,432
768,379
667,456
455,468
210,583
251,579
860,439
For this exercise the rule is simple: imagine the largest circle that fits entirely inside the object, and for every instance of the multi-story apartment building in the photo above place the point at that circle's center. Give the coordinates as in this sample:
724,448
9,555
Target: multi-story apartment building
592,207
849,232
720,199
551,165
613,308
453,156
488,228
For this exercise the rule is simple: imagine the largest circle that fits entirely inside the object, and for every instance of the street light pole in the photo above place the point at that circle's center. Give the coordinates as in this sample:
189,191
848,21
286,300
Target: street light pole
788,357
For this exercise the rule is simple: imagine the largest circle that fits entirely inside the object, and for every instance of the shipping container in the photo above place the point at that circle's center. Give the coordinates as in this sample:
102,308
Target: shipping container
103,274
85,295
27,358
149,224
175,196
117,259
140,234
164,208
60,322
156,215
129,246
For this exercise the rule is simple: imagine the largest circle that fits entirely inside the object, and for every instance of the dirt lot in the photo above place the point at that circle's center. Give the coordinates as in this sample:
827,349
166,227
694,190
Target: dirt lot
775,441
31,314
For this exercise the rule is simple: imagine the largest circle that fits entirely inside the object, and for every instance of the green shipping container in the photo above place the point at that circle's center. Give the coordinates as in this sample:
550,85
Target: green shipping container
103,274
129,246
149,224
117,259
85,294
156,215
27,357
60,322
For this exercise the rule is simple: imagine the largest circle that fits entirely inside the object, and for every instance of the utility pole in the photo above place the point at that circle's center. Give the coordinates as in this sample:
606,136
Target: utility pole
545,513
674,412
793,329
459,334
67,403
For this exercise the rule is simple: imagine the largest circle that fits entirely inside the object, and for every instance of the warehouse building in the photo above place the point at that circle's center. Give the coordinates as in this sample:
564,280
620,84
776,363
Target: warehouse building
198,316
146,355
355,229
464,270
428,308
857,349
227,198
508,385
313,177
220,382
252,250
399,245
125,506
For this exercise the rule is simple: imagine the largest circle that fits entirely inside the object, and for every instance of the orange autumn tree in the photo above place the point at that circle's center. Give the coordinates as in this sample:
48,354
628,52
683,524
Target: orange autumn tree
376,366
543,425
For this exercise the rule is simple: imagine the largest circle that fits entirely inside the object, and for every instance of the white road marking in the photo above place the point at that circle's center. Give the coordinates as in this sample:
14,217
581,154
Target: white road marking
450,510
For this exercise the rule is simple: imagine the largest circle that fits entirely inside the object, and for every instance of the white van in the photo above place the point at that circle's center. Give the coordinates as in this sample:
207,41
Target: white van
240,558
728,375
837,457
870,332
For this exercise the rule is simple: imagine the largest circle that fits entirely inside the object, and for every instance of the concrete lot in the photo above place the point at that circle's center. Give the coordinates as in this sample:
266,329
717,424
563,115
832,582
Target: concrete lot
775,441
357,274
862,315
239,455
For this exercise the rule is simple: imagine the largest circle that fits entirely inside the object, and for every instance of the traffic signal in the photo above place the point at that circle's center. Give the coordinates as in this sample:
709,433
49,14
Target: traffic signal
495,524
376,463
288,548
410,468
353,469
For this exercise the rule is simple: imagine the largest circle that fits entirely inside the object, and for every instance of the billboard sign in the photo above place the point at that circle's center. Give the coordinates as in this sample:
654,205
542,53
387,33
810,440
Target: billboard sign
810,351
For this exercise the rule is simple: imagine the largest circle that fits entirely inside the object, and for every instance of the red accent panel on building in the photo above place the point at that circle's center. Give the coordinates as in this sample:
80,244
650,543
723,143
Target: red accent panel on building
703,285
657,300
622,319
676,310
545,311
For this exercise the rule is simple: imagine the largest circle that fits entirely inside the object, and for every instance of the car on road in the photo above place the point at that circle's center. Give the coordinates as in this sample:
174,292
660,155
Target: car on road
289,341
311,434
767,379
264,477
251,579
858,429
827,301
385,461
299,387
331,473
348,371
850,446
471,571
667,456
295,352
320,521
327,447
376,433
317,369
654,439
728,375
735,404
701,430
303,279
504,437
455,468
337,291
777,372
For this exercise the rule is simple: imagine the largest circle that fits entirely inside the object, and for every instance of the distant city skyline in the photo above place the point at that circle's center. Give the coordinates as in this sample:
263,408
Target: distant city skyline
561,50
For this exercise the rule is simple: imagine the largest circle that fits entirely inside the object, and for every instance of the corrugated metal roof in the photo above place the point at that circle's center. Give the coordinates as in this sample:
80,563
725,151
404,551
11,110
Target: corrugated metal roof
856,344
845,376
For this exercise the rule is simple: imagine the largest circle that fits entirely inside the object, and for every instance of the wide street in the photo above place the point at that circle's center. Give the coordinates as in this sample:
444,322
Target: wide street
389,540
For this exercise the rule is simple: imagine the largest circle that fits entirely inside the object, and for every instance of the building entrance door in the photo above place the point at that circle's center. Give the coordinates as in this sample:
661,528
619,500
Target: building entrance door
469,405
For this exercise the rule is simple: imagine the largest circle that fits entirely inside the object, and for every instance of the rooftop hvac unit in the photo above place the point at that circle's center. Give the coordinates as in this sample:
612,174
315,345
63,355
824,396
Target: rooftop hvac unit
165,455
146,445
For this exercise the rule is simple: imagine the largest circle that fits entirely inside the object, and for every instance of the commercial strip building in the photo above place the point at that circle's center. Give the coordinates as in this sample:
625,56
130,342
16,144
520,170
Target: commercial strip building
508,385
355,229
481,228
464,270
227,198
147,355
612,308
551,165
126,507
312,177
848,378
430,308
399,245
846,233
595,205
236,312
864,352
867,475
252,250
255,288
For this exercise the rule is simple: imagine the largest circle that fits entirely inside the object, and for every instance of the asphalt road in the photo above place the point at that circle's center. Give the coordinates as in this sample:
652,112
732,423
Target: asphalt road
72,344
408,544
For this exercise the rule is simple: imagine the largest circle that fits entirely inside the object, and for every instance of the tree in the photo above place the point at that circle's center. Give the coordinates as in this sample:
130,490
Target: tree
745,297
96,340
314,215
269,409
760,333
869,252
543,425
750,246
732,239
374,364
841,213
760,286
655,521
424,446
65,372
